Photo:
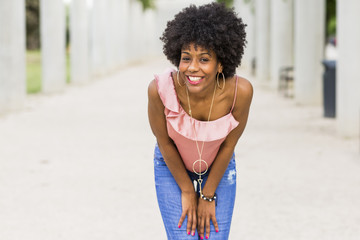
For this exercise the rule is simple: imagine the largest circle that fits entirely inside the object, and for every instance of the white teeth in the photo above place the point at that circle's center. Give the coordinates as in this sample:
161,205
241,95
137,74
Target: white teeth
194,79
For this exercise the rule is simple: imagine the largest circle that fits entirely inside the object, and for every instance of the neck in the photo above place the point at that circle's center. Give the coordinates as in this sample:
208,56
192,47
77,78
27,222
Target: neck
204,95
211,105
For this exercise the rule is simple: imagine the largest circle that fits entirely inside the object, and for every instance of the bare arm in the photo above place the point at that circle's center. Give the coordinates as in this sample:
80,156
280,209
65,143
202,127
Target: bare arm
206,210
172,157
240,112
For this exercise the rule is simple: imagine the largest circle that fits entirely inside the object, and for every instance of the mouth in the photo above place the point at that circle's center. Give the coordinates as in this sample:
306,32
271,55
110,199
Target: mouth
194,80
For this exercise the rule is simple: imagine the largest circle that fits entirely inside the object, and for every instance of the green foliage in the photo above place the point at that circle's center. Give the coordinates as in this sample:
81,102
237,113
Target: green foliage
331,27
147,4
330,18
33,71
67,26
67,67
32,24
228,3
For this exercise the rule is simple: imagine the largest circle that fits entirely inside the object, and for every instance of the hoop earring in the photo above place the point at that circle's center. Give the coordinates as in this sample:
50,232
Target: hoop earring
177,78
217,80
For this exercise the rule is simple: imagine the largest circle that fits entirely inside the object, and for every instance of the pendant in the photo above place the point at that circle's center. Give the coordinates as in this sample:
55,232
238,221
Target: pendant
200,184
195,185
200,162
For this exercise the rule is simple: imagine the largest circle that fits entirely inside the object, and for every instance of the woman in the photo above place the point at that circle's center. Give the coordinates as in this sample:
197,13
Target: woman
197,115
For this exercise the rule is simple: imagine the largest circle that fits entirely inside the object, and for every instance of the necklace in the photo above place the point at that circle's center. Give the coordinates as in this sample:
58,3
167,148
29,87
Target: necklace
200,160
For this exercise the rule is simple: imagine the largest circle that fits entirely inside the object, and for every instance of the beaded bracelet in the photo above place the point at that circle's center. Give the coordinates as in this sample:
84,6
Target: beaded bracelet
208,199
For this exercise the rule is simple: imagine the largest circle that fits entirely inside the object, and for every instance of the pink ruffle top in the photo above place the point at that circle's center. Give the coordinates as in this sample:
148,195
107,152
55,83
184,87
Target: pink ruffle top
181,131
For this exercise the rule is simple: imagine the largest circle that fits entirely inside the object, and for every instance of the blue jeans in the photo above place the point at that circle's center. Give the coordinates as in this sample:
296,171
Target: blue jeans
169,200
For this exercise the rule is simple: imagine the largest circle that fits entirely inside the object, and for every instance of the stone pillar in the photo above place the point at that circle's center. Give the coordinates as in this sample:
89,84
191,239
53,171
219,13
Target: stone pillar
348,74
52,24
98,38
123,26
150,37
12,55
281,44
110,33
309,50
79,42
136,31
262,39
247,12
116,36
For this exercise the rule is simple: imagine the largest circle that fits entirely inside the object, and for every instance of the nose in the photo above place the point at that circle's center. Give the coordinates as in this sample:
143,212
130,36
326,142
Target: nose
194,66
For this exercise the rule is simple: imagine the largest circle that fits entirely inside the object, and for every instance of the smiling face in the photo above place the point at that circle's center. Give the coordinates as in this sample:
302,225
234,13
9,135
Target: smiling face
198,67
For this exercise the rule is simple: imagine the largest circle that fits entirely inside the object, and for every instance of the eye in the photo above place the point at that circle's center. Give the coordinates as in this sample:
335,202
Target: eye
185,59
204,59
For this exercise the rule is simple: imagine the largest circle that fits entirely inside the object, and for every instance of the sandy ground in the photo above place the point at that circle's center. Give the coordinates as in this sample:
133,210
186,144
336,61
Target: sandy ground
78,166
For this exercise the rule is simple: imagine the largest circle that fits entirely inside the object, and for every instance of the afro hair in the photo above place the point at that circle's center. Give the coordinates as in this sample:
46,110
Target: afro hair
211,26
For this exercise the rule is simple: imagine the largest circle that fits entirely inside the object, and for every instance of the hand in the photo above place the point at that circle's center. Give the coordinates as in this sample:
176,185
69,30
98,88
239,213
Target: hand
189,207
205,213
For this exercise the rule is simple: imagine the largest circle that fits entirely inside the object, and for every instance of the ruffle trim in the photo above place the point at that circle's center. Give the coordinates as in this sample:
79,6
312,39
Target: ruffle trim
205,131
181,122
166,90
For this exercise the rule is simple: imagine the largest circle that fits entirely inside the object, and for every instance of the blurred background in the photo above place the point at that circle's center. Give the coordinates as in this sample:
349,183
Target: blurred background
76,147
291,44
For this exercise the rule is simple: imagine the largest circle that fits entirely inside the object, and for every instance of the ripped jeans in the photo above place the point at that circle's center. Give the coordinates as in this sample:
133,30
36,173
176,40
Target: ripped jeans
169,200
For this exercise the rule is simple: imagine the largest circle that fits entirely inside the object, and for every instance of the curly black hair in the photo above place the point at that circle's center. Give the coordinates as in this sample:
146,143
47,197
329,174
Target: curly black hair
211,26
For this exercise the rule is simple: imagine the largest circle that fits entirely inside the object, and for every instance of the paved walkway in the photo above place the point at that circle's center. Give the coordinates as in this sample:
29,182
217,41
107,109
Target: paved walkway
78,166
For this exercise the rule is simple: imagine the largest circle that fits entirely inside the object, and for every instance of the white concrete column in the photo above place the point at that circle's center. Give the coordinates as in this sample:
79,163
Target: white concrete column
150,34
79,42
309,50
110,34
12,55
246,11
116,38
348,74
52,23
281,44
262,39
136,31
98,38
123,26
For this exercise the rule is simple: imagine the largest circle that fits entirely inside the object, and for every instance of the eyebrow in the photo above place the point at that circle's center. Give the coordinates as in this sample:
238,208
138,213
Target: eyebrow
203,53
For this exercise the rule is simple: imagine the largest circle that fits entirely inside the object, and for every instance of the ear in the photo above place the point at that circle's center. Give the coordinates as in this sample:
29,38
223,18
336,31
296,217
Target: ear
220,68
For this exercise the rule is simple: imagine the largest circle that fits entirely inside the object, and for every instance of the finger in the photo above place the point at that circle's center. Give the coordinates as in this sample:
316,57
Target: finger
214,221
193,229
207,227
201,227
189,223
182,218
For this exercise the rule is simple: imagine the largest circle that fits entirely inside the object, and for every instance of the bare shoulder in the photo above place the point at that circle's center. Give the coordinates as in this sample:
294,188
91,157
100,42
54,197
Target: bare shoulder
153,96
152,89
244,95
244,88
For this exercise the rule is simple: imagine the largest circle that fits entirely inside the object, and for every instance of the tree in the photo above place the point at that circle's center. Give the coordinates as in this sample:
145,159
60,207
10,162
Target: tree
330,18
228,3
147,4
32,24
